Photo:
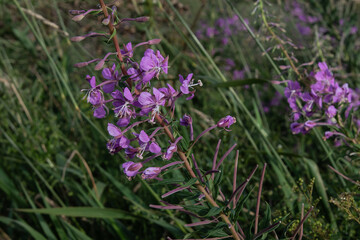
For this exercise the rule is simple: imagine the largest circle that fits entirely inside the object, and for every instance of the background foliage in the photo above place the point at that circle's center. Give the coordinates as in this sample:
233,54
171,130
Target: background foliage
50,142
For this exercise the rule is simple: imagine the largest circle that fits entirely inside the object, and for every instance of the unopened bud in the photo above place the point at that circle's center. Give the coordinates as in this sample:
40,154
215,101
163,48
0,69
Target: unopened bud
106,21
77,38
142,19
76,12
100,65
154,41
81,64
78,18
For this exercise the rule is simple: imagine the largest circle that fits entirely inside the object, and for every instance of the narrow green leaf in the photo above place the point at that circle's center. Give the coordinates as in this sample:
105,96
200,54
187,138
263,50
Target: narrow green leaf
242,82
89,212
213,212
112,35
35,234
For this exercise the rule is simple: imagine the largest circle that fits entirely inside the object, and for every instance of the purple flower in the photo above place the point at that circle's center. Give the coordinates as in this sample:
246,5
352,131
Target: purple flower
146,144
123,106
128,50
210,32
187,83
153,64
96,98
226,122
119,141
292,90
331,111
237,74
170,95
171,149
151,103
303,30
324,79
186,120
297,128
110,74
94,95
151,172
100,112
131,168
353,30
308,125
328,134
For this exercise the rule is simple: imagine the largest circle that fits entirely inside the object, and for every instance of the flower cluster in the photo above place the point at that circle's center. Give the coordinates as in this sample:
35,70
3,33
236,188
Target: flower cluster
221,32
320,104
134,106
304,20
223,28
127,92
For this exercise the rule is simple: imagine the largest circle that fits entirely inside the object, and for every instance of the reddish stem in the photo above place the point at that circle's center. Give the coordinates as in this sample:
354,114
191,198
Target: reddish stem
115,41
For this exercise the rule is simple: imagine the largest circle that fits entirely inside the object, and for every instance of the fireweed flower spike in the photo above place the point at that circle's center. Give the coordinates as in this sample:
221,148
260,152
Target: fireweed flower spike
321,104
136,102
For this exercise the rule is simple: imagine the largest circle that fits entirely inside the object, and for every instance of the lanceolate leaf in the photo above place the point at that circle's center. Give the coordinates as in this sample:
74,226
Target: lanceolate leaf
87,212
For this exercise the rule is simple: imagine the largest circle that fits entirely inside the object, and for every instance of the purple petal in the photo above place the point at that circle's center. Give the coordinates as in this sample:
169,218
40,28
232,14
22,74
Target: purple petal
108,88
92,82
147,76
106,73
100,112
144,137
158,95
323,66
128,95
149,52
145,98
147,63
113,130
154,148
124,142
123,122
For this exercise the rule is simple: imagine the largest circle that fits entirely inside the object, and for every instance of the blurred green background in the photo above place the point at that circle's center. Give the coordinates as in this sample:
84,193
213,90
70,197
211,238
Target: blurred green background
53,151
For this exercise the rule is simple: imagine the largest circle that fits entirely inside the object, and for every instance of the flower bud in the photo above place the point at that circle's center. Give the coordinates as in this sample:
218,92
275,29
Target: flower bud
76,12
151,172
77,38
106,21
186,120
78,18
154,41
81,64
226,121
142,19
100,65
